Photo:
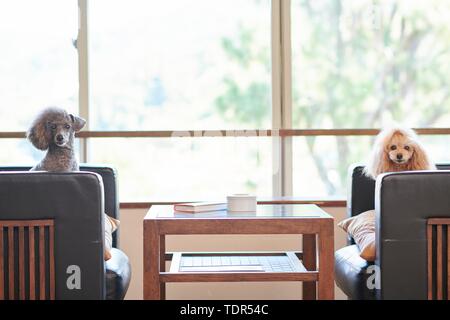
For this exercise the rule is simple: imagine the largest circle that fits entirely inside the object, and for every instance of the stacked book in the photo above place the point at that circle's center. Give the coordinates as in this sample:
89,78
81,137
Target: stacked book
197,207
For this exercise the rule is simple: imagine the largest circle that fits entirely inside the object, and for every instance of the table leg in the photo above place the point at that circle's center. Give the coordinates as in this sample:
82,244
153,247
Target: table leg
310,263
152,290
162,263
326,262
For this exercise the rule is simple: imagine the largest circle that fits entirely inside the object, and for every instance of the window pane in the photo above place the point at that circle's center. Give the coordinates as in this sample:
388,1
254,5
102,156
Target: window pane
176,64
365,63
38,65
20,152
321,163
187,168
437,147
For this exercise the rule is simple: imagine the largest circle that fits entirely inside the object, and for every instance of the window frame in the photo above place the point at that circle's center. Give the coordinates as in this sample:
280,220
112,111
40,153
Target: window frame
282,182
281,129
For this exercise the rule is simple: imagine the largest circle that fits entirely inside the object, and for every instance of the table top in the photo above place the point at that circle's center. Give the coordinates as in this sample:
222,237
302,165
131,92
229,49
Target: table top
275,211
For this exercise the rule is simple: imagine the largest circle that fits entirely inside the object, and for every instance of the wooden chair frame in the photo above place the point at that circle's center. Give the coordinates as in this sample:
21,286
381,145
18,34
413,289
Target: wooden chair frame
23,244
438,242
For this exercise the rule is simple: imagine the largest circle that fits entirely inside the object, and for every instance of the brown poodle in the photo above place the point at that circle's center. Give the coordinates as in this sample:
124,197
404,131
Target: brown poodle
397,149
54,130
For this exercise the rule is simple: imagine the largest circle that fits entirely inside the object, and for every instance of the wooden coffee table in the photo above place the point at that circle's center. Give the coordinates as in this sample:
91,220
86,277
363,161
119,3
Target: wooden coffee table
314,265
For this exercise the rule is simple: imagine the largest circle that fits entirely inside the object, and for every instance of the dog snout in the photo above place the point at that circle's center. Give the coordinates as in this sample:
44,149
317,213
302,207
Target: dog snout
60,138
399,156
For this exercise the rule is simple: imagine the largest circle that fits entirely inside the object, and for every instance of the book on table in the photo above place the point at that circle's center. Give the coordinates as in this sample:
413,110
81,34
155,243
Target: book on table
200,207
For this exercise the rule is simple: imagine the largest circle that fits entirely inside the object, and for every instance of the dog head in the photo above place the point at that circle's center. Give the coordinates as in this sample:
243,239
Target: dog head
400,147
54,126
397,149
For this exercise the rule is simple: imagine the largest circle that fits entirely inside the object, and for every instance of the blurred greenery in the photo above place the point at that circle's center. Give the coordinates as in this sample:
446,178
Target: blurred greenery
245,103
356,64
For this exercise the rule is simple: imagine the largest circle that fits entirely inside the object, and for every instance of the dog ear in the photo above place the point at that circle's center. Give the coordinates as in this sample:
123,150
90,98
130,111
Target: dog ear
379,159
420,159
39,135
376,163
78,123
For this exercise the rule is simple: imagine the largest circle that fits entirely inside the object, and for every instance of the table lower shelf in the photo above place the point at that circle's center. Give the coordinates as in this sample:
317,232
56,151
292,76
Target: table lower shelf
237,266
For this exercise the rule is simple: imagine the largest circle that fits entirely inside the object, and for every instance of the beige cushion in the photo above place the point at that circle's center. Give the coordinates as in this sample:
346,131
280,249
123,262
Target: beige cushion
362,229
111,225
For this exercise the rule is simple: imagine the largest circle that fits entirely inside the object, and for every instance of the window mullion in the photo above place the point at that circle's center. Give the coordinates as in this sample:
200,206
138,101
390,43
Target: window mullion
286,96
83,72
281,97
277,123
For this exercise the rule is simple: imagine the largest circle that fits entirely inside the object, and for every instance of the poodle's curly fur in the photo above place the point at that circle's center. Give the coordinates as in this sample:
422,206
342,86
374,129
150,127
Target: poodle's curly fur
54,130
397,149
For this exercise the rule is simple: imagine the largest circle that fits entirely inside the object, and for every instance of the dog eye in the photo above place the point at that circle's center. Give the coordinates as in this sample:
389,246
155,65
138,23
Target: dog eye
393,147
53,126
407,148
67,126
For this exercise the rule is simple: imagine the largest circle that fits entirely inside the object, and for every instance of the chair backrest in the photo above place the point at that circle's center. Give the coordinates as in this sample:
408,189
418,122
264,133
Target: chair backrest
407,205
51,223
109,176
361,189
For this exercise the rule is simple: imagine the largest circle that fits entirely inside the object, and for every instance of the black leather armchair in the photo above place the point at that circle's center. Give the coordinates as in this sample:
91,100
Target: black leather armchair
403,203
74,203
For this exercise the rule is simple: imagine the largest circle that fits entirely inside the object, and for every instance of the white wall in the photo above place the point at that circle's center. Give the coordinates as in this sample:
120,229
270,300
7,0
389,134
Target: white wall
131,243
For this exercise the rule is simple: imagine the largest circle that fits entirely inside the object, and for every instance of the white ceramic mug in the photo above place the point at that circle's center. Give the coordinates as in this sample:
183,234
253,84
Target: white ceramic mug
241,203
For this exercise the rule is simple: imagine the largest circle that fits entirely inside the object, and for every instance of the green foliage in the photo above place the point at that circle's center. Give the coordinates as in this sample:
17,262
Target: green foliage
240,51
242,101
244,104
356,64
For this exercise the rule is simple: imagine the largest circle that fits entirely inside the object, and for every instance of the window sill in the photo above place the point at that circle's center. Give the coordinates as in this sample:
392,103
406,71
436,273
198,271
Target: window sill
321,202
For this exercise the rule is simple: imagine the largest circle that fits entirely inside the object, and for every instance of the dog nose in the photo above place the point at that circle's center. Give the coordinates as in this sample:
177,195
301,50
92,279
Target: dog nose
399,156
60,138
